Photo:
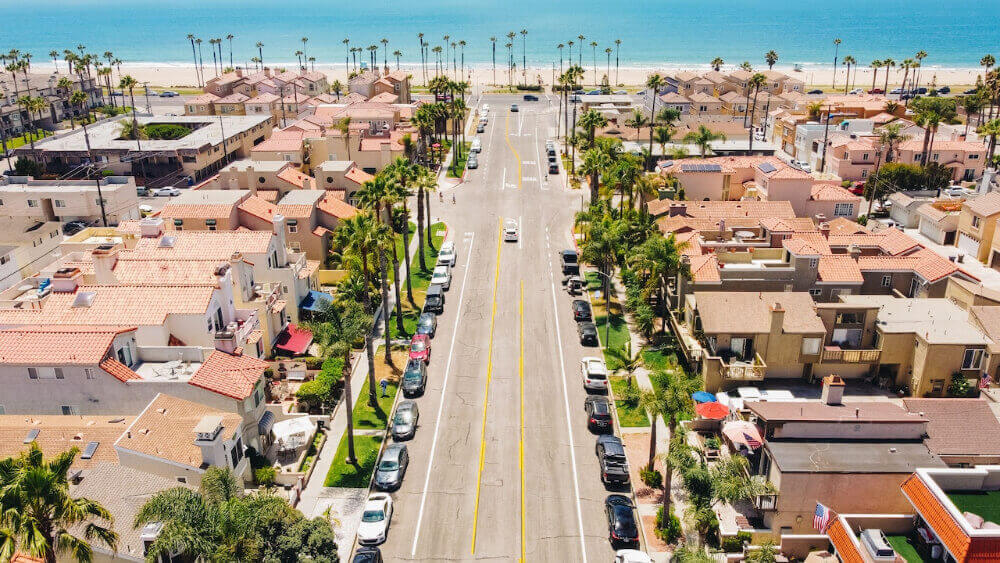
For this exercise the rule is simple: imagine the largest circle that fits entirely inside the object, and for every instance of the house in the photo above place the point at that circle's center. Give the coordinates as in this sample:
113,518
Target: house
25,248
238,81
14,120
752,335
112,198
963,432
968,294
733,103
977,225
829,199
370,83
203,104
671,100
903,208
965,159
233,104
57,433
741,177
703,103
342,175
939,221
849,158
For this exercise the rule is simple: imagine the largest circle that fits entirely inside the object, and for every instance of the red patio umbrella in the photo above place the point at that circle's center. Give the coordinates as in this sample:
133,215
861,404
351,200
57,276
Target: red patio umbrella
716,411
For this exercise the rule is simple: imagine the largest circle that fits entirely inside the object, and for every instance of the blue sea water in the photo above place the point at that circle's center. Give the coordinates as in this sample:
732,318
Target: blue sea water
954,33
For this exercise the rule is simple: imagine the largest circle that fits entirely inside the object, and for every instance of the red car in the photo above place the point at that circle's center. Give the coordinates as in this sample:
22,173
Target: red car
420,348
857,189
876,91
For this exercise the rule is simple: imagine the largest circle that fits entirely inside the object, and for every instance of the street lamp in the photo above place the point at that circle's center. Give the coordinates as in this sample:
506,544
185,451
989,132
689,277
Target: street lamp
607,308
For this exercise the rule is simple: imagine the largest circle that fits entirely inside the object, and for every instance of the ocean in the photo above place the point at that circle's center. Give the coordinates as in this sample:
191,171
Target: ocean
953,33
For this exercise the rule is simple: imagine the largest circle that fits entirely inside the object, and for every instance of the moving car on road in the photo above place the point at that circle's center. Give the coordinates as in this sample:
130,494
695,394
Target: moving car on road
427,324
588,333
581,311
622,529
420,348
375,519
168,94
530,98
510,233
611,455
446,255
404,424
442,276
595,373
513,108
414,378
598,411
165,192
391,468
815,92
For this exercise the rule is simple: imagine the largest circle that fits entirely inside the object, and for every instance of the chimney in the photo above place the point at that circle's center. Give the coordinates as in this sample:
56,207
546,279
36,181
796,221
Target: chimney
824,229
855,251
225,341
239,273
66,280
833,390
777,318
208,437
279,232
820,218
239,72
105,257
224,278
677,209
151,227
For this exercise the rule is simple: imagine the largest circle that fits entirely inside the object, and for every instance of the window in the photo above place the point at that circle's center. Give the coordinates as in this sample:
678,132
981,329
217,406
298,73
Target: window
260,180
843,210
4,260
864,173
237,453
3,410
810,346
815,292
937,385
971,157
32,373
976,221
59,203
814,262
973,358
59,373
293,228
182,479
32,203
936,155
864,156
69,410
886,281
295,246
89,372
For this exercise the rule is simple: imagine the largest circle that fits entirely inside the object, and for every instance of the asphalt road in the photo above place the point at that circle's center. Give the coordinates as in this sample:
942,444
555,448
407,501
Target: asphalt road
502,466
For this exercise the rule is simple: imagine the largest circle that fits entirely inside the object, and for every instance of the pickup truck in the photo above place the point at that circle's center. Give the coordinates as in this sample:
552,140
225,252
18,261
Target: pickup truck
614,465
570,262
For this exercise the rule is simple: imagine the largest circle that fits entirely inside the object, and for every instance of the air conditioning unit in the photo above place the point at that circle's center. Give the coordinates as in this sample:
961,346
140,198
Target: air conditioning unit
875,542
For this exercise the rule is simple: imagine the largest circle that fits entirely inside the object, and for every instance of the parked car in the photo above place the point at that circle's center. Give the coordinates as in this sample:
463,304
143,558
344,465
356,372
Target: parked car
815,92
168,94
575,99
802,165
442,276
632,556
570,262
372,554
944,90
594,93
375,518
510,232
446,254
876,91
420,347
598,410
530,98
481,128
404,424
434,300
73,227
165,192
587,333
956,191
581,310
476,146
896,91
970,91
857,91
485,109
594,373
472,163
414,378
141,191
513,108
554,168
622,529
391,468
620,92
858,188
427,324
611,456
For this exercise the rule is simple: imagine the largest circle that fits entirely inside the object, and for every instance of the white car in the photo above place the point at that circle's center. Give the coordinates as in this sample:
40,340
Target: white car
477,145
485,109
145,208
165,192
375,519
802,165
594,372
510,233
631,556
956,191
447,255
442,277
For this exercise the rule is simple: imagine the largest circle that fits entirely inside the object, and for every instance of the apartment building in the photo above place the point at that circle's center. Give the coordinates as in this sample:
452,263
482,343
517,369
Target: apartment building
239,81
111,198
965,159
977,228
371,83
14,119
25,248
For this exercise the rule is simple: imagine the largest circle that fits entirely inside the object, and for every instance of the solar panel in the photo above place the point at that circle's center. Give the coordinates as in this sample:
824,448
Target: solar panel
90,449
713,167
766,167
32,434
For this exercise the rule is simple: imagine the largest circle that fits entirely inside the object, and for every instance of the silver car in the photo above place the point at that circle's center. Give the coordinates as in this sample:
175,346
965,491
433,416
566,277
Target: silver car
404,424
391,468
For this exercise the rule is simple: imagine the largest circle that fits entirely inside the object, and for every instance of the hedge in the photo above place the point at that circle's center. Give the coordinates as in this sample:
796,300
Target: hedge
321,390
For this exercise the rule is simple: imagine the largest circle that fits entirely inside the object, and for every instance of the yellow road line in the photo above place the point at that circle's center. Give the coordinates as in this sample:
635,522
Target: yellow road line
520,373
489,376
506,136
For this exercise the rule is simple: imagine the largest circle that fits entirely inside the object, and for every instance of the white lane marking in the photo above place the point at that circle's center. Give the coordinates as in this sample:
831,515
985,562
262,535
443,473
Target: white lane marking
569,427
538,160
504,181
520,124
527,162
529,179
444,389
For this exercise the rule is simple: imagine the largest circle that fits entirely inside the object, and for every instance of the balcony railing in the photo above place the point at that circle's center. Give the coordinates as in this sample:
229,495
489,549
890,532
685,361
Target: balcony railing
766,502
745,371
851,356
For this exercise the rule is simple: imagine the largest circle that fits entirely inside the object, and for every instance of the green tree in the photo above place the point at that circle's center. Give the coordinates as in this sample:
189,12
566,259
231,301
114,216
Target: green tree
717,63
770,58
628,363
590,121
703,139
653,83
766,553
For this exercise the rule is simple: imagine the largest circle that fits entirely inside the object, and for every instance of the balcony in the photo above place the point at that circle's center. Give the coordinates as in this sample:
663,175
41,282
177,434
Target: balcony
839,355
766,502
744,371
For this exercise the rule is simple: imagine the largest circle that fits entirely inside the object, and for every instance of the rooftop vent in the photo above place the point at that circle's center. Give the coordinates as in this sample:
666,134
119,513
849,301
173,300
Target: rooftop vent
88,452
84,299
167,242
32,434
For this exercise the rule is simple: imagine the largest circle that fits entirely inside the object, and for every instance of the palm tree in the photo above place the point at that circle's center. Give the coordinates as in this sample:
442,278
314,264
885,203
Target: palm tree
920,56
628,362
848,61
215,62
593,46
39,512
230,37
745,65
770,58
493,44
618,46
524,50
260,53
703,138
888,64
607,51
836,51
397,53
344,127
304,52
79,99
990,130
194,54
906,65
569,61
876,64
659,260
637,121
580,61
717,63
381,194
462,44
889,136
662,137
756,82
201,60
654,83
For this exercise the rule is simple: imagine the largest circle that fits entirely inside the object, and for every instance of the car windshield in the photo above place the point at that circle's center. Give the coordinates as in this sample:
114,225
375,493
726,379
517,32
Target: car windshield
570,258
596,375
426,320
403,418
373,516
600,408
411,376
388,466
418,346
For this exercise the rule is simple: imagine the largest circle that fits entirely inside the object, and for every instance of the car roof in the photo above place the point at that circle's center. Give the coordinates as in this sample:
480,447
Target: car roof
618,500
588,326
579,302
608,438
597,399
392,451
427,315
406,406
569,252
614,448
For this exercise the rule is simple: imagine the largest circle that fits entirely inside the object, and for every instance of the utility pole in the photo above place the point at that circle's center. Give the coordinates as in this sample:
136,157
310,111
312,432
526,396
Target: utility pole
97,176
145,87
225,150
572,158
826,134
284,121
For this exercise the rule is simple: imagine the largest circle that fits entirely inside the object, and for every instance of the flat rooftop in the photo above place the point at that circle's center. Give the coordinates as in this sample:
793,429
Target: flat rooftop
818,411
302,197
827,456
937,320
105,136
172,371
210,197
257,165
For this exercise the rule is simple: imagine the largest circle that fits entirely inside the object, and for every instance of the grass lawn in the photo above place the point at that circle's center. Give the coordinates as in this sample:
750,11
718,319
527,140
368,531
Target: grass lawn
905,549
983,503
457,168
619,335
419,280
343,475
366,417
659,360
25,139
627,416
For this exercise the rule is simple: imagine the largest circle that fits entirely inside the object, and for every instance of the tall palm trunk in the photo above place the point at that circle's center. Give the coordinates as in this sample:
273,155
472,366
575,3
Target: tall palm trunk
420,227
395,282
370,349
383,274
652,442
427,224
352,458
406,253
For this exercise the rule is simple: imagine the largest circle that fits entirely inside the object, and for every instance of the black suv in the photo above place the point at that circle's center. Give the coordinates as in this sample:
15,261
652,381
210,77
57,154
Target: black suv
570,262
414,378
598,411
588,333
581,310
530,98
614,465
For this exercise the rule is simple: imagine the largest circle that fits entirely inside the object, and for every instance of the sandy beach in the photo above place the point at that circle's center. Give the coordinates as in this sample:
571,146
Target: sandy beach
182,75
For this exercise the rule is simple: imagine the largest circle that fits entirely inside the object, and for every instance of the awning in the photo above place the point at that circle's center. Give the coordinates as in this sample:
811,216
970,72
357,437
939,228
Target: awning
743,433
294,340
315,301
293,433
265,423
703,397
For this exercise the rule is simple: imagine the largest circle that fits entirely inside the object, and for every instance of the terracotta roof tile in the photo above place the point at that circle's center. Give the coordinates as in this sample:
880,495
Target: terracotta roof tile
232,376
830,192
294,177
928,264
336,207
201,245
56,345
358,176
171,272
844,226
844,541
839,269
890,241
270,196
196,211
806,244
119,370
258,208
114,305
726,209
705,268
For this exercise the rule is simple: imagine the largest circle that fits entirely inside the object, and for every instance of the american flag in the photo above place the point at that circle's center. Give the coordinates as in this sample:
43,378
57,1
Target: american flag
751,441
985,381
821,517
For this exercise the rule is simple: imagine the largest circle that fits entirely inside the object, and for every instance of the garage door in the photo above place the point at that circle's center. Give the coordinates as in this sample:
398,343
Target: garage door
968,244
930,230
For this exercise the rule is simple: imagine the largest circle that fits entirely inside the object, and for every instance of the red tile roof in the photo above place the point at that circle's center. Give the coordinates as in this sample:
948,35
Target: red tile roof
830,192
844,541
839,269
119,370
890,241
946,528
258,207
336,207
293,176
232,376
358,176
56,345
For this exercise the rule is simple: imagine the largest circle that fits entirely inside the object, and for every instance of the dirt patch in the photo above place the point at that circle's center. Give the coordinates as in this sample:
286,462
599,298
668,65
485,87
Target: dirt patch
653,543
394,372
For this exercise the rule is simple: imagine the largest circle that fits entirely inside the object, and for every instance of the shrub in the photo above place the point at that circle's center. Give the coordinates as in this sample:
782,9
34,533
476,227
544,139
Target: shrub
630,396
713,443
312,393
669,530
264,476
529,87
959,386
27,167
166,131
321,390
651,477
312,362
